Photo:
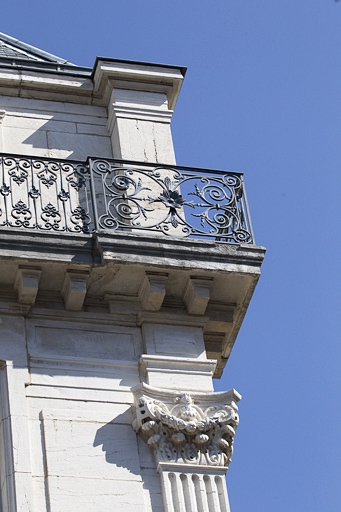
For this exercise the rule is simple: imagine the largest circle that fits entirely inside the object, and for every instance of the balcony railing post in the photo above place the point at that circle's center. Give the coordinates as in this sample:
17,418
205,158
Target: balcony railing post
93,194
247,213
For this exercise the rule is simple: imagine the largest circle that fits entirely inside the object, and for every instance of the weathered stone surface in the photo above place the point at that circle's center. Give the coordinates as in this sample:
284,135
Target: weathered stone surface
82,341
117,271
178,372
187,428
197,295
171,340
44,129
197,490
27,283
74,289
85,318
191,436
153,291
90,449
90,494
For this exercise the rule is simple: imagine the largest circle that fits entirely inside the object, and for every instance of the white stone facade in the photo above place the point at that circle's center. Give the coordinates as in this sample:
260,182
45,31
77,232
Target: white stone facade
97,328
124,111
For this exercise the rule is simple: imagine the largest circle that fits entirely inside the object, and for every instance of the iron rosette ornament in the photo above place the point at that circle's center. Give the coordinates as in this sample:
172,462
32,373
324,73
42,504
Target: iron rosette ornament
187,428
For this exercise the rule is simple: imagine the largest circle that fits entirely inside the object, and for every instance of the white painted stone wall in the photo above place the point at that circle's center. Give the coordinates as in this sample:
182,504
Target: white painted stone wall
69,361
66,409
123,112
43,128
144,118
75,359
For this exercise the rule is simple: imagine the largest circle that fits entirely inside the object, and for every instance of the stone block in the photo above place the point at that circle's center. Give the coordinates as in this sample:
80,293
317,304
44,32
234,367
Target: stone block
77,146
27,283
39,487
71,374
153,291
94,495
53,339
145,141
41,122
13,339
25,141
178,372
74,289
92,128
59,110
173,340
73,410
37,445
23,493
20,443
91,450
66,393
197,295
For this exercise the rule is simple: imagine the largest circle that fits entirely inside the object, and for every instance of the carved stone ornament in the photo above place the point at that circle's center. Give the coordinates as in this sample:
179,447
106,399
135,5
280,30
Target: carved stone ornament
187,428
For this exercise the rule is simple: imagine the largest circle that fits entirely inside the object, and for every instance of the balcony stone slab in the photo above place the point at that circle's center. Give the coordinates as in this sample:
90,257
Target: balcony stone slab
117,267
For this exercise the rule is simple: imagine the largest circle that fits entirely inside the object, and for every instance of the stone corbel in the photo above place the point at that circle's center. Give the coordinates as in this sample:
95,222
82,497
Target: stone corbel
153,290
26,284
197,295
74,289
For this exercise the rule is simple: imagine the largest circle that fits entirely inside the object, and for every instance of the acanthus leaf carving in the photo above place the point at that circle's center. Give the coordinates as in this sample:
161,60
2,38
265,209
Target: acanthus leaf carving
187,428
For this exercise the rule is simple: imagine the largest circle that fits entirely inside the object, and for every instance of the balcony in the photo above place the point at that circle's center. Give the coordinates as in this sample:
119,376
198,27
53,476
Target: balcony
148,243
111,196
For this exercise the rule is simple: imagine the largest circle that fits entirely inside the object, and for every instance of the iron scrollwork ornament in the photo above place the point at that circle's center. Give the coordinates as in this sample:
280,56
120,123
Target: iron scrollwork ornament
173,201
44,194
110,195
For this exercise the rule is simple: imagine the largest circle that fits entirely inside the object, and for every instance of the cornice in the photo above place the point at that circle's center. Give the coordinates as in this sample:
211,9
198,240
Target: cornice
184,282
65,82
140,76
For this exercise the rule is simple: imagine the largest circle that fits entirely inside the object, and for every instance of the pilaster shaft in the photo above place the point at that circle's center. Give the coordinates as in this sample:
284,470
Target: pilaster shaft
193,491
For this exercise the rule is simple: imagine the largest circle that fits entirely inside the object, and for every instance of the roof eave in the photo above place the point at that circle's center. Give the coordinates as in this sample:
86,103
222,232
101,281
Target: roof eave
33,50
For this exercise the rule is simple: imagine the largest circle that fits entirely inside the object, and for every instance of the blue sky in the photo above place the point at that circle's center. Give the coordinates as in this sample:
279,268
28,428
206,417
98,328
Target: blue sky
261,96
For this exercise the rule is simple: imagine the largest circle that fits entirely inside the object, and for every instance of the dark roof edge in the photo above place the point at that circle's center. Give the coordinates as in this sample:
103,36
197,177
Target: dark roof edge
182,69
32,49
51,63
73,70
45,67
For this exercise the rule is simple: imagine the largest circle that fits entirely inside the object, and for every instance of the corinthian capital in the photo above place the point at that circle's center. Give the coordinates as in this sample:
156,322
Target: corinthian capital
187,428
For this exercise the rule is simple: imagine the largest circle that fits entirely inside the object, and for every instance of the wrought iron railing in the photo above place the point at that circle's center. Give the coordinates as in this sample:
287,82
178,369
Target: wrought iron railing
115,195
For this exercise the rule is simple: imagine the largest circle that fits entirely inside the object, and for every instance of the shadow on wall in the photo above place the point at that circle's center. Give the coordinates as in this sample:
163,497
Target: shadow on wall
58,139
118,441
124,449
